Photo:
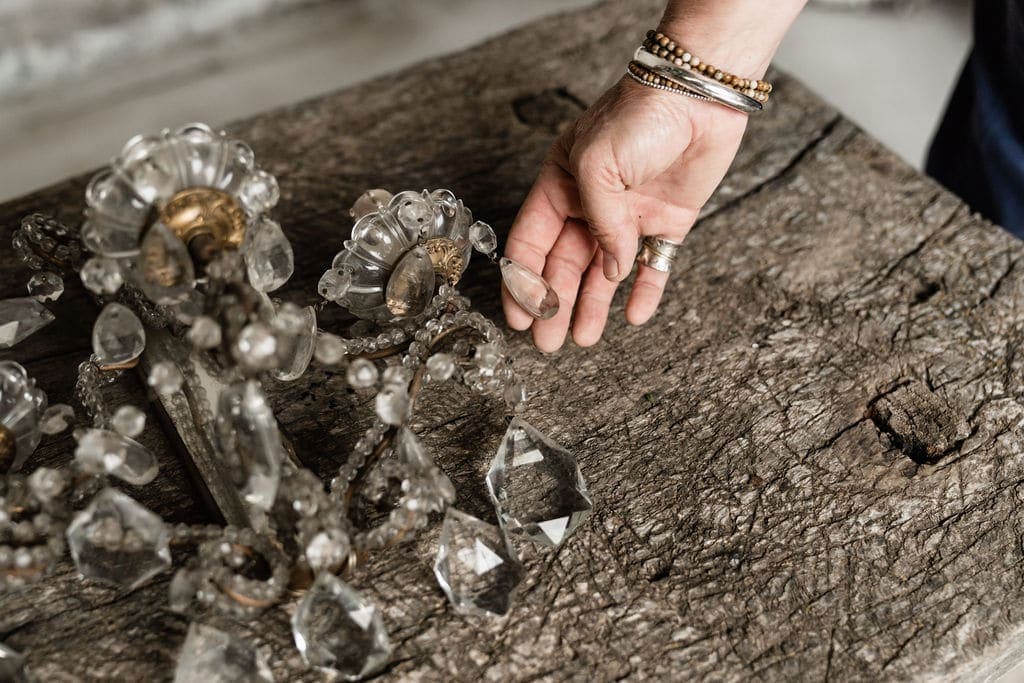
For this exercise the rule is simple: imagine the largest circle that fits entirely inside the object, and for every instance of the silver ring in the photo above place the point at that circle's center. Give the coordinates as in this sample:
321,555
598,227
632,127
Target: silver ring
657,253
702,85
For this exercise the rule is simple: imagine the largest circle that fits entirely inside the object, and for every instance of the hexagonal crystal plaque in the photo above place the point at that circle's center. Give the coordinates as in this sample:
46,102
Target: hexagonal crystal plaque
117,540
476,566
210,655
536,486
337,628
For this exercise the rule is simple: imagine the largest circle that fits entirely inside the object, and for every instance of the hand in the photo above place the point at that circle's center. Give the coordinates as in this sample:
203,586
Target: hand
639,162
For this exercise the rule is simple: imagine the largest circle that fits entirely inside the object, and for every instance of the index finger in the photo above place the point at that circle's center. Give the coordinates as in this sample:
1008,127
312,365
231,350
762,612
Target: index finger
552,199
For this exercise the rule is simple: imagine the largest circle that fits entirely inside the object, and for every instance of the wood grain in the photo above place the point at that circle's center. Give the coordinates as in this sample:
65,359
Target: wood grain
807,466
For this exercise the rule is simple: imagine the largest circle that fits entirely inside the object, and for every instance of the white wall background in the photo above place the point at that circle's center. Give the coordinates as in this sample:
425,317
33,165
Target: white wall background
889,70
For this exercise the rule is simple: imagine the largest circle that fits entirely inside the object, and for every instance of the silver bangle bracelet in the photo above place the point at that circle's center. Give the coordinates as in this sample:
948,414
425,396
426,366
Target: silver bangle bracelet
701,85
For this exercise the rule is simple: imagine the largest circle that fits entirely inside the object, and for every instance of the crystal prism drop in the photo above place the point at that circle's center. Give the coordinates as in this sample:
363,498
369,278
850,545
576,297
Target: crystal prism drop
392,404
250,439
530,290
20,318
117,336
440,367
411,284
210,655
361,374
269,258
337,628
476,566
205,333
45,286
368,202
163,268
259,192
117,540
105,451
302,343
536,486
12,665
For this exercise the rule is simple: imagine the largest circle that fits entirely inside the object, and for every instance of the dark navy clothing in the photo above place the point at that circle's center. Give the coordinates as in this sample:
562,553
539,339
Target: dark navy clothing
978,151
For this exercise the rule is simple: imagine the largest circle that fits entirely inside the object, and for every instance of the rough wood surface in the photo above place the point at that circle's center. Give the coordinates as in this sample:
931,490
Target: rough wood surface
808,466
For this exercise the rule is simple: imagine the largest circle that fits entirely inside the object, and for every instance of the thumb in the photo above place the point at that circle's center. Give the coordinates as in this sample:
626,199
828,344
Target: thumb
607,211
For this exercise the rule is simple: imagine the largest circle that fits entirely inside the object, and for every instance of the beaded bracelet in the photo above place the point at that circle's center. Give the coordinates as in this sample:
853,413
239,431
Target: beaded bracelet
659,44
641,74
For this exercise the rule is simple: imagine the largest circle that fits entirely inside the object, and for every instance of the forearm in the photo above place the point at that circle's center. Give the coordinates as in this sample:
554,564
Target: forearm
740,36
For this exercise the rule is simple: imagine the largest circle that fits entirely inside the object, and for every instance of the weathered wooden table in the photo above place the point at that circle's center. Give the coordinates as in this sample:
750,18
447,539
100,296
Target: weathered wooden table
809,465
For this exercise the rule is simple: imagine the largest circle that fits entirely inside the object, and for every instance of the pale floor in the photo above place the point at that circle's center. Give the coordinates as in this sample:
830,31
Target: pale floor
890,71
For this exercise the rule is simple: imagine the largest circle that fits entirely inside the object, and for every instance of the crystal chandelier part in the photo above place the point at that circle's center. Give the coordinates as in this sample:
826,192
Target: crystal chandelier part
327,551
20,318
269,258
440,367
536,486
249,438
392,404
256,347
45,286
370,201
482,237
334,284
117,540
165,378
106,451
21,404
336,628
163,267
476,566
128,421
101,275
529,289
301,342
361,374
117,336
205,333
411,284
56,418
210,655
330,348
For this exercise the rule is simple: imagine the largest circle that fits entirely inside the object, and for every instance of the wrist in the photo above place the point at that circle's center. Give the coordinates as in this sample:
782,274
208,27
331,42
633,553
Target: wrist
740,36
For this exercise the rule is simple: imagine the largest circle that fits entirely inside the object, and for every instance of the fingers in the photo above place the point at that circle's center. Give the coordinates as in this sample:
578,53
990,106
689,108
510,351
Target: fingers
569,258
593,303
646,295
536,228
607,211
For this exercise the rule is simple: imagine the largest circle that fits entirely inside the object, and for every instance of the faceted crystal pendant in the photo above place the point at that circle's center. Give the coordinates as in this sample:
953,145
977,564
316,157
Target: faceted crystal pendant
249,436
12,665
536,486
210,655
117,540
301,347
56,418
45,286
20,318
128,421
361,374
411,284
117,336
256,347
482,237
392,404
269,258
476,565
368,202
102,450
163,268
337,628
334,284
530,290
259,192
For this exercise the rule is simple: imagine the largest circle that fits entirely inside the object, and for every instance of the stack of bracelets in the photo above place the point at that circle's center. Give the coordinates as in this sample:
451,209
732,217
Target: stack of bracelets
664,64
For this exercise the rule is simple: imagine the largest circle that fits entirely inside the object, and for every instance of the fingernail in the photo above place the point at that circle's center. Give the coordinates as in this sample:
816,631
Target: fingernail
611,267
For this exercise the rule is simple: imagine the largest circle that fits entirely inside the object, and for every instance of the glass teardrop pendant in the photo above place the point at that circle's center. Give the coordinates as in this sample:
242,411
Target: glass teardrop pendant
529,289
